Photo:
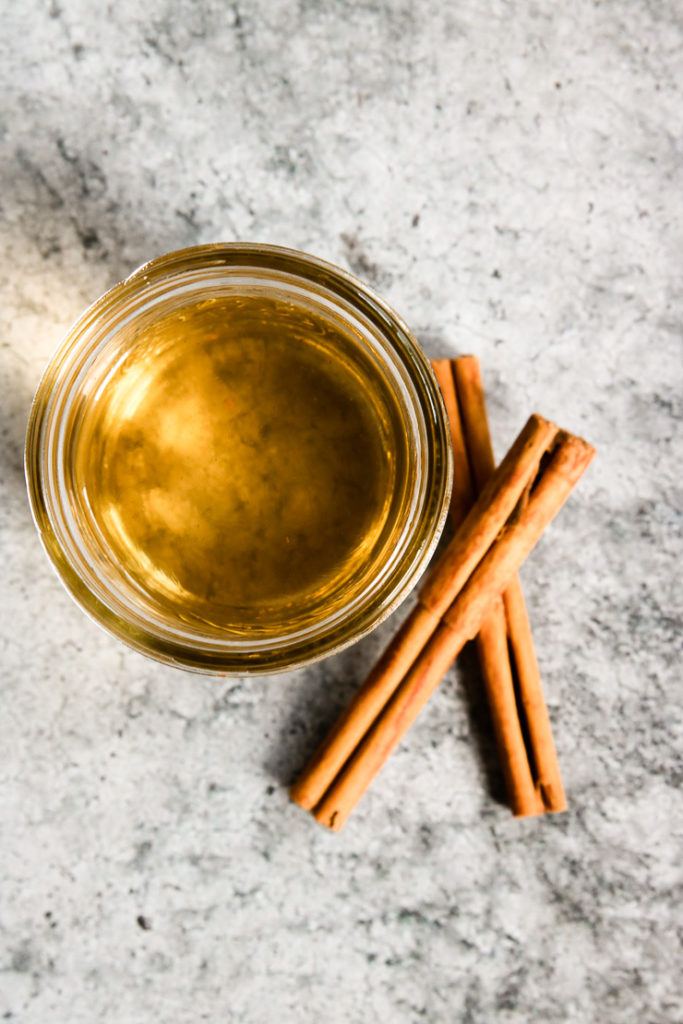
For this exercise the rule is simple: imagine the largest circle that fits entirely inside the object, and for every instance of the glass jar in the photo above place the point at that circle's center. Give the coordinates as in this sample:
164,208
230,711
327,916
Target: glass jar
116,593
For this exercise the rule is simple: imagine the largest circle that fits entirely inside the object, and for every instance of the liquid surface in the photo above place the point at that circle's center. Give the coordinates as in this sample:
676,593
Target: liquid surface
241,464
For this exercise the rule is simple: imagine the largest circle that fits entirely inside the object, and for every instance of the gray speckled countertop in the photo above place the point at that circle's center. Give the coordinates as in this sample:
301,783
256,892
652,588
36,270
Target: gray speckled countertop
509,177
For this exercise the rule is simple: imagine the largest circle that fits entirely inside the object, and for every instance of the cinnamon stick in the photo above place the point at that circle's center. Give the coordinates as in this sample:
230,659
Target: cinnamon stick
460,623
462,495
547,769
473,463
485,520
548,792
496,672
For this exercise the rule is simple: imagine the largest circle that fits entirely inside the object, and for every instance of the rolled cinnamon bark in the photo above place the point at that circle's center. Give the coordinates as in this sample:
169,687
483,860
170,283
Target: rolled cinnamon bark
460,623
462,495
546,767
549,792
496,673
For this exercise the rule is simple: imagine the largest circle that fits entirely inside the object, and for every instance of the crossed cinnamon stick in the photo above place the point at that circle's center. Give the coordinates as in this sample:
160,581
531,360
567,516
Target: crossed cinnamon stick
472,590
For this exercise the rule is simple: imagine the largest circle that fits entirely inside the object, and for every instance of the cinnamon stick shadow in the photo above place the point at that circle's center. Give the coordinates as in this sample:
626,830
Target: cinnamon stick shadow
320,694
469,678
15,404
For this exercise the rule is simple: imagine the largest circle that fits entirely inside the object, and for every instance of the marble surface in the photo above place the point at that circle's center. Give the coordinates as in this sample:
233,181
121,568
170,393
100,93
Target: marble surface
508,176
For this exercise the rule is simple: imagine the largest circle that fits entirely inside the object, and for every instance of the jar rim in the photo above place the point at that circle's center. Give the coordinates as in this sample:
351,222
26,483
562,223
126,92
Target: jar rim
45,477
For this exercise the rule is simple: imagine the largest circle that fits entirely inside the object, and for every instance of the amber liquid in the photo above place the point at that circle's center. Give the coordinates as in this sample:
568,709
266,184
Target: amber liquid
243,465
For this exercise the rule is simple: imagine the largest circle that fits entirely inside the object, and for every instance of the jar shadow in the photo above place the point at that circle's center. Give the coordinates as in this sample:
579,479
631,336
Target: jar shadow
15,405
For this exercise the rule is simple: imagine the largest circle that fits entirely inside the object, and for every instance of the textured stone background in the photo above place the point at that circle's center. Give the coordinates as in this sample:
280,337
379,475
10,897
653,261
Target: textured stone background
508,175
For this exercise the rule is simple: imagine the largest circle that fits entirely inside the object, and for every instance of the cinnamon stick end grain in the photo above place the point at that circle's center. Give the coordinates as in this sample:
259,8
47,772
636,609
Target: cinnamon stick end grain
554,799
299,793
